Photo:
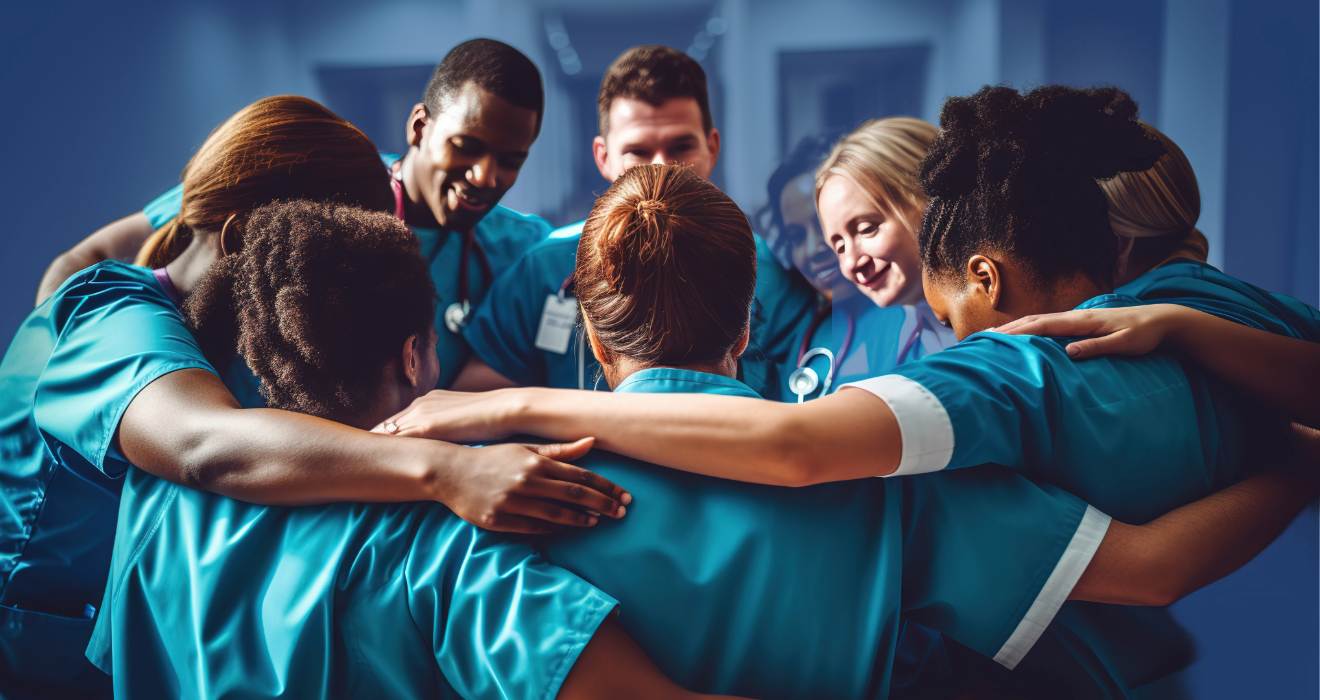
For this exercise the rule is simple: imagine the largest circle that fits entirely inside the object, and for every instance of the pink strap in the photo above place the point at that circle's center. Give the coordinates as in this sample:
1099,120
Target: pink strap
397,186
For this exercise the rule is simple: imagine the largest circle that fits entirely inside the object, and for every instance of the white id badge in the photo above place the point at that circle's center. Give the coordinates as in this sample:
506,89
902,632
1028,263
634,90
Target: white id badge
557,324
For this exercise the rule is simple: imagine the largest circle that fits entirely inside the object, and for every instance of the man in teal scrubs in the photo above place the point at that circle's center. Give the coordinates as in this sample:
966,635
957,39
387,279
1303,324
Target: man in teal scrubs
653,108
468,140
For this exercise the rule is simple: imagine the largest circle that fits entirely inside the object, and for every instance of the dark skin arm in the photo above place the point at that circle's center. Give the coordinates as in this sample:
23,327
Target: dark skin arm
186,427
1282,371
1160,562
120,241
613,666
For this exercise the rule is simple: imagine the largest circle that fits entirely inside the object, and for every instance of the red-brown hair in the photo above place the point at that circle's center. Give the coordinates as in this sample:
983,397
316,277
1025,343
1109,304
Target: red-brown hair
666,268
283,147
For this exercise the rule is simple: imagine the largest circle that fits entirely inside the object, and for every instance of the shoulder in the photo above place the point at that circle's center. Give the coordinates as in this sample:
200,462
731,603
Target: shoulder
503,223
111,287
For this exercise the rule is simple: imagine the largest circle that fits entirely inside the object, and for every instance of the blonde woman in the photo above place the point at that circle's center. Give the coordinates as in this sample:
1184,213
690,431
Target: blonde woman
870,207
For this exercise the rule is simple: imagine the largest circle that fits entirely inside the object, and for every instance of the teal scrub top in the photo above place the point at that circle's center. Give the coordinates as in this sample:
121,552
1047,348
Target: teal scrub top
72,369
792,593
1202,287
882,338
503,233
506,333
1086,427
212,597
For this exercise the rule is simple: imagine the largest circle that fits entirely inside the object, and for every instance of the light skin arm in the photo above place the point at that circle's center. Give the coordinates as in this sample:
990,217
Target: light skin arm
476,375
613,666
1281,371
1160,562
186,427
120,241
847,435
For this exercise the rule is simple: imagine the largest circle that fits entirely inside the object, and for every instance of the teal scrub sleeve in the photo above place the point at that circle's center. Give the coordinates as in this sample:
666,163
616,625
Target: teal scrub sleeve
989,557
164,207
116,332
503,330
781,311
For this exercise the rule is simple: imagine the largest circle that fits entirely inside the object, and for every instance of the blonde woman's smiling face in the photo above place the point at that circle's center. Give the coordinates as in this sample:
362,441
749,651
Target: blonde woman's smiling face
877,252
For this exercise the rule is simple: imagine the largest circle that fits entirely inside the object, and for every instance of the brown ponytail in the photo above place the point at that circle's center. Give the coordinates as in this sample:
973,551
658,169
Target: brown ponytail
666,268
283,147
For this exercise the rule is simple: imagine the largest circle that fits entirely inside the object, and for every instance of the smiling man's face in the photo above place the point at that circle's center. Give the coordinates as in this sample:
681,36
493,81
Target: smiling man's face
468,155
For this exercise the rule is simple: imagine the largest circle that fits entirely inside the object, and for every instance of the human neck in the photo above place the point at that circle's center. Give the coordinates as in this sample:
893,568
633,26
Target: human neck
187,270
1066,295
623,367
393,394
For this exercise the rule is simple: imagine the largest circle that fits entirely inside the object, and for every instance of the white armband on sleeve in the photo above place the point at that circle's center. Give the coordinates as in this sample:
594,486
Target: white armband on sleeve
923,423
1057,587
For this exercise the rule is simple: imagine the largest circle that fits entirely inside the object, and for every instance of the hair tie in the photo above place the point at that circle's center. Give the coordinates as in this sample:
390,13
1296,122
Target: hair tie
647,206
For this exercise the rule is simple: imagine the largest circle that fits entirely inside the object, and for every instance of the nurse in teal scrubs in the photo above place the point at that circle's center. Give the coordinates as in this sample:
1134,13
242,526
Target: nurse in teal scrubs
105,373
1015,401
653,109
209,596
870,207
468,139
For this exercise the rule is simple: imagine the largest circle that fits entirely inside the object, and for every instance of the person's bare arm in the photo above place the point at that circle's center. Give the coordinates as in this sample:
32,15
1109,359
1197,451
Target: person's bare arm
120,240
1160,562
186,427
1282,371
476,375
847,435
613,666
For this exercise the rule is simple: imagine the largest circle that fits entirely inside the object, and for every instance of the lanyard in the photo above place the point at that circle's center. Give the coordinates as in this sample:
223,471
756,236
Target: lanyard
821,313
458,314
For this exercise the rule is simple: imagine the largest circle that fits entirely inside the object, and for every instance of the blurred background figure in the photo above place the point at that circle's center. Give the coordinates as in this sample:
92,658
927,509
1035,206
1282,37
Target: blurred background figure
105,103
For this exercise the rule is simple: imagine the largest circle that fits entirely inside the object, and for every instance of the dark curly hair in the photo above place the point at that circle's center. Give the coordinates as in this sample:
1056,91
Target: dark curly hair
1016,174
318,300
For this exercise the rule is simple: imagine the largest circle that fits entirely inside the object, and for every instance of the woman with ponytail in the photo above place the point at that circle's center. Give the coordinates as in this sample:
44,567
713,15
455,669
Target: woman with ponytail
1016,224
106,374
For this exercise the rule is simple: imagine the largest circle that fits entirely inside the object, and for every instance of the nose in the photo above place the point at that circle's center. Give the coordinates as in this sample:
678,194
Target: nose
483,173
816,243
660,158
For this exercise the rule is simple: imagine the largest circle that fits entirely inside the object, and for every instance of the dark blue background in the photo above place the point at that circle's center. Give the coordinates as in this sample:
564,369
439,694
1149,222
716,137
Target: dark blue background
101,105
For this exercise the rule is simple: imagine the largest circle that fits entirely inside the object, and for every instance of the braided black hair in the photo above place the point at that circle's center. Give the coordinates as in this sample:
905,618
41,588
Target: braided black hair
1016,174
317,302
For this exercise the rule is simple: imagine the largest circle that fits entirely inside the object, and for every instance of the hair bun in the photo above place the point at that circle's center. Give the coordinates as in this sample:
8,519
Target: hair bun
648,207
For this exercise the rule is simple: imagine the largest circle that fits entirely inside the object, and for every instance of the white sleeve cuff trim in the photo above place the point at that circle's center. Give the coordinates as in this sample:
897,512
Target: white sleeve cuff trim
1066,573
923,423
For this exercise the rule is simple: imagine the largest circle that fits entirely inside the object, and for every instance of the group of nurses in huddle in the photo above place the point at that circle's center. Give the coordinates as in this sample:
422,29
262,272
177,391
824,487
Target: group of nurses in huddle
224,475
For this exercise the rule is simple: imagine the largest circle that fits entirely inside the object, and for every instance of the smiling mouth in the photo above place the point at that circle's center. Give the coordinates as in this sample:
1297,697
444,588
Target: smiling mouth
459,199
875,281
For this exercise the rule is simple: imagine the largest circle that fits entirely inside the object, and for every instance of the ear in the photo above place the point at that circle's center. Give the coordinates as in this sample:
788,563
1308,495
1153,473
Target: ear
412,358
600,152
713,143
231,235
741,346
597,350
985,278
417,121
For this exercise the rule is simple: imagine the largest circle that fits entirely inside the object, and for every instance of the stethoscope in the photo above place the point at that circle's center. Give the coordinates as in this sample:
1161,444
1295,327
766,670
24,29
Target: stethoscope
459,313
804,379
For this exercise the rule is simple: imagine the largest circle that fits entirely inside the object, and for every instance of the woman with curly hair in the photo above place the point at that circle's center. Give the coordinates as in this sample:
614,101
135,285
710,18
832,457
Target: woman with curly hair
1016,224
106,373
331,306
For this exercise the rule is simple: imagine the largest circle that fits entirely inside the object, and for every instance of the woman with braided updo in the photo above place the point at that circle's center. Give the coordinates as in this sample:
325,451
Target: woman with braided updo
332,307
1016,224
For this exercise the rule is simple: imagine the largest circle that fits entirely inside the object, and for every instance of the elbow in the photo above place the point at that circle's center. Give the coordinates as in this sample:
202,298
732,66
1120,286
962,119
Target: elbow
794,454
